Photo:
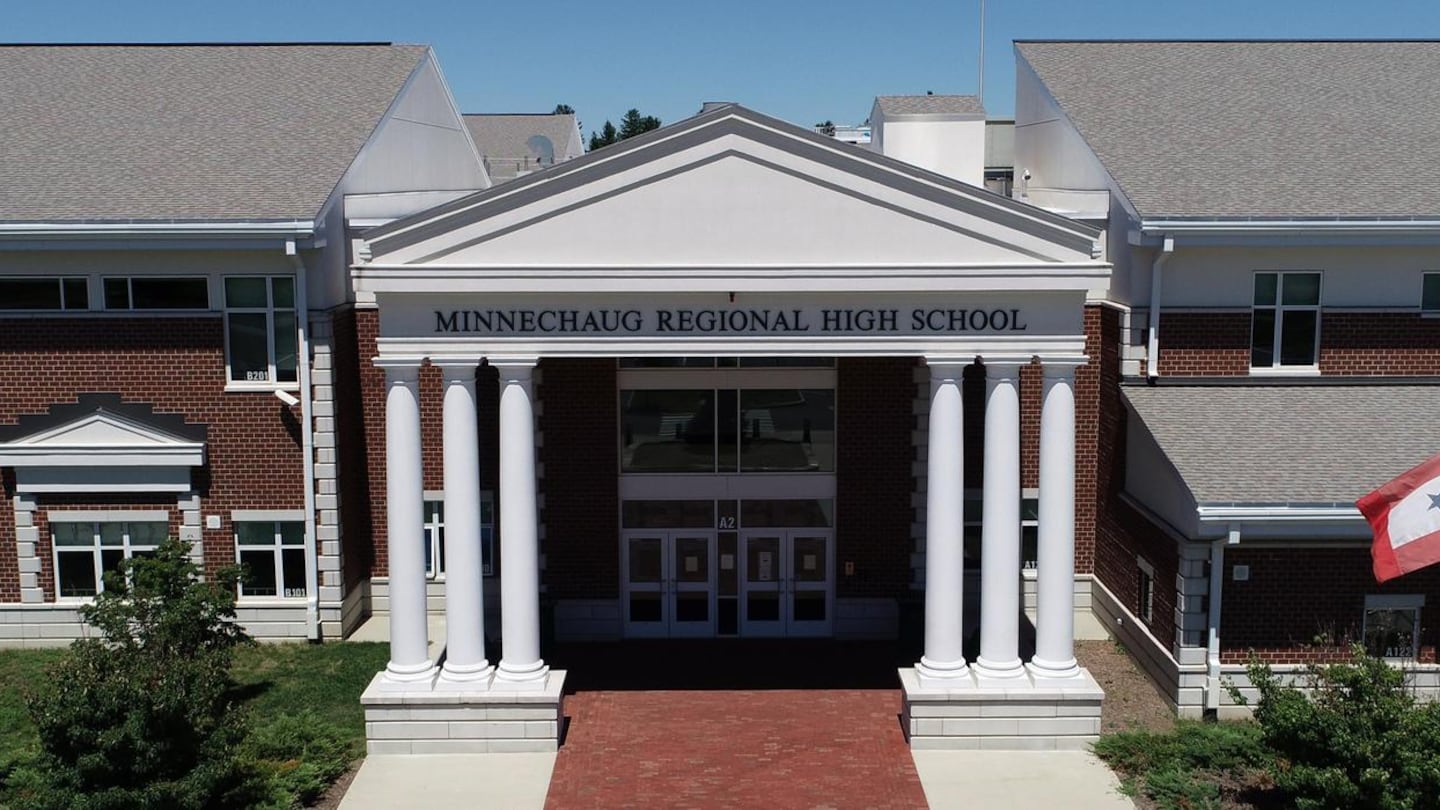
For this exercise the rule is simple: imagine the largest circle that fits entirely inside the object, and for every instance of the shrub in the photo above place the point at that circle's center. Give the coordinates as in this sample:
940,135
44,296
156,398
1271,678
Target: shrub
144,714
1175,769
1358,739
301,754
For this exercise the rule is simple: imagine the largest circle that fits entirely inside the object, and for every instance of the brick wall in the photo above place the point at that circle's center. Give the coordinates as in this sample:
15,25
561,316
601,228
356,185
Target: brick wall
253,453
1217,344
580,455
1302,605
1109,534
352,448
873,472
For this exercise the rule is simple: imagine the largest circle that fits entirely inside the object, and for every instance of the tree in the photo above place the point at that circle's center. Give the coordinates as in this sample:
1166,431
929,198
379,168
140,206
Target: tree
607,136
826,127
632,124
563,109
145,715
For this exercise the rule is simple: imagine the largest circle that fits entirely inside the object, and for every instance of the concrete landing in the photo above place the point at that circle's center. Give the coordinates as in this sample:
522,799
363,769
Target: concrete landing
511,781
377,628
1074,780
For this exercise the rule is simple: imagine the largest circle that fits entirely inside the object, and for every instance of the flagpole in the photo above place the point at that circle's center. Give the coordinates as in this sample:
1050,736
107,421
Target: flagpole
981,92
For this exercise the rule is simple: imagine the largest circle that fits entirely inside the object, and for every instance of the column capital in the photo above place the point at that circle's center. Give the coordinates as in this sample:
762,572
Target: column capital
514,369
1005,363
399,368
456,361
947,367
1061,367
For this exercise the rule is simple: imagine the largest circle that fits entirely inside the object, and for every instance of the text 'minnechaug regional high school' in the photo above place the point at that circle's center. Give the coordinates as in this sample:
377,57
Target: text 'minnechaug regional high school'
1122,365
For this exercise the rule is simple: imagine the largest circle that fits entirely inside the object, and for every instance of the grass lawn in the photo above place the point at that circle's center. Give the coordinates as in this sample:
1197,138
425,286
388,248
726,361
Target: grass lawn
276,681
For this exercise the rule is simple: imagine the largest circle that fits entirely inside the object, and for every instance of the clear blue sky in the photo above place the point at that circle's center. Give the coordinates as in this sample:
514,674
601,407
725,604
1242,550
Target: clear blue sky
801,61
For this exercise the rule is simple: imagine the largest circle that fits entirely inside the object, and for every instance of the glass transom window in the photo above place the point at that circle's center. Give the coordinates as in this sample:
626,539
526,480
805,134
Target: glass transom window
86,551
727,430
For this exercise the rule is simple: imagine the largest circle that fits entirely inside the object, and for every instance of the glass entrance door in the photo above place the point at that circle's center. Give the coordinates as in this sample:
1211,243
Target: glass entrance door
787,582
669,584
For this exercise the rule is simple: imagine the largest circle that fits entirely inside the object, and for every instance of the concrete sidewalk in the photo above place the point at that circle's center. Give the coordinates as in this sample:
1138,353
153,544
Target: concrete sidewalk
1074,780
501,781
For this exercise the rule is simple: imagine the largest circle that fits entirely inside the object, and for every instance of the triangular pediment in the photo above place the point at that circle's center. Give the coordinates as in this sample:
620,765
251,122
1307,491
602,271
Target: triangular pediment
732,188
103,429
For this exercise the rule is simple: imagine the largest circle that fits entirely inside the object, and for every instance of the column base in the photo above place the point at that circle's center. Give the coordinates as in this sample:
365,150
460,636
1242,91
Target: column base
1061,671
1004,673
422,720
406,676
535,678
476,676
942,675
1028,714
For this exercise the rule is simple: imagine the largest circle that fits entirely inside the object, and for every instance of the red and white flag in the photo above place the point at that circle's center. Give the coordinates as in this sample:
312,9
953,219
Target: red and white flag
1405,514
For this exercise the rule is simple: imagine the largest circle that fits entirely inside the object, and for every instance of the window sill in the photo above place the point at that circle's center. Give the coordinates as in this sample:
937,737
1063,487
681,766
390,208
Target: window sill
261,388
1286,371
270,601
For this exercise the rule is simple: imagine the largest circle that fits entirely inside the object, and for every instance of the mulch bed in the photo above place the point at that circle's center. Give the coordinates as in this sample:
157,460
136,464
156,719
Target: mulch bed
1131,699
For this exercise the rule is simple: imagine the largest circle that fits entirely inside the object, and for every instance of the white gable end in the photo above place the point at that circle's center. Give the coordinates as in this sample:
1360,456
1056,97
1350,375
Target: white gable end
734,210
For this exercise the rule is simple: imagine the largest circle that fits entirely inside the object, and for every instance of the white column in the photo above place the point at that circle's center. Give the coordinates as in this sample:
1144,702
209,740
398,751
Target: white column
520,664
405,525
464,581
943,662
1055,619
1000,532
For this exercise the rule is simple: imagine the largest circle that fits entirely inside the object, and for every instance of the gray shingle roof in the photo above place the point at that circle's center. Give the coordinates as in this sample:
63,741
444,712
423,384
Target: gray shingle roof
186,132
504,139
1297,444
929,105
1256,129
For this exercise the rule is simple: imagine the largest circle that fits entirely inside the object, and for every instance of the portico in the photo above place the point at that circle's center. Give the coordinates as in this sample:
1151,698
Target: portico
730,235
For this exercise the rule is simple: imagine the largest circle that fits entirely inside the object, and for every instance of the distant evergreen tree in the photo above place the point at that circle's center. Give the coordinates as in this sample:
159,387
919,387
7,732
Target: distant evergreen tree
564,109
631,125
607,136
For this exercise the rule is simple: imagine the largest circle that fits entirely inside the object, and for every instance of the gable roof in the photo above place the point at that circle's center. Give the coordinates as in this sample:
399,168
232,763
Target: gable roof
1235,129
710,125
187,132
1289,444
504,139
898,106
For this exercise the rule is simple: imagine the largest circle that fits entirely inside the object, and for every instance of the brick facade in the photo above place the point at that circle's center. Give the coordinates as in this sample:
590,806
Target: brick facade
177,364
1217,344
580,456
1302,605
873,475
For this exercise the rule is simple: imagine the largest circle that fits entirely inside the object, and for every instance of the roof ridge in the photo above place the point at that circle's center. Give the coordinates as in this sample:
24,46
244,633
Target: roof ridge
205,44
1223,41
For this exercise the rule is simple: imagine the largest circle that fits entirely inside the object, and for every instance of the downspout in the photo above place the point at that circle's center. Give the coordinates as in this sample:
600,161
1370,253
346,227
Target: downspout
307,443
1212,643
1152,342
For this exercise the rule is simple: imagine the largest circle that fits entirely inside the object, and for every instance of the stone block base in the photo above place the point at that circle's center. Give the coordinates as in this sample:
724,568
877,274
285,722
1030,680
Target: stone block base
1029,715
419,719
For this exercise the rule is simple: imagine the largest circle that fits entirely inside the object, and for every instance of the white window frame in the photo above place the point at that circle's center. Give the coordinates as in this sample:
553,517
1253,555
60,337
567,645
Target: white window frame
126,547
1280,308
60,284
1395,602
1145,597
130,293
276,550
1425,277
435,527
272,382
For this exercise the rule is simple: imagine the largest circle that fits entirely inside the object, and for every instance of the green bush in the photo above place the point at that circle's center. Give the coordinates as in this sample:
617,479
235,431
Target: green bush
301,754
144,715
1174,769
1358,739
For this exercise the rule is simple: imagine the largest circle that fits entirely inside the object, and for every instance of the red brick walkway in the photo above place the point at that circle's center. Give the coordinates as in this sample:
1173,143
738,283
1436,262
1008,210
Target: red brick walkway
832,748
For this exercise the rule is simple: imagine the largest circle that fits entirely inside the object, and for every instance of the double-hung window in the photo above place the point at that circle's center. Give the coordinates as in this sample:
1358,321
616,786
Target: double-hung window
1392,625
261,341
1145,589
272,558
85,551
1285,324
